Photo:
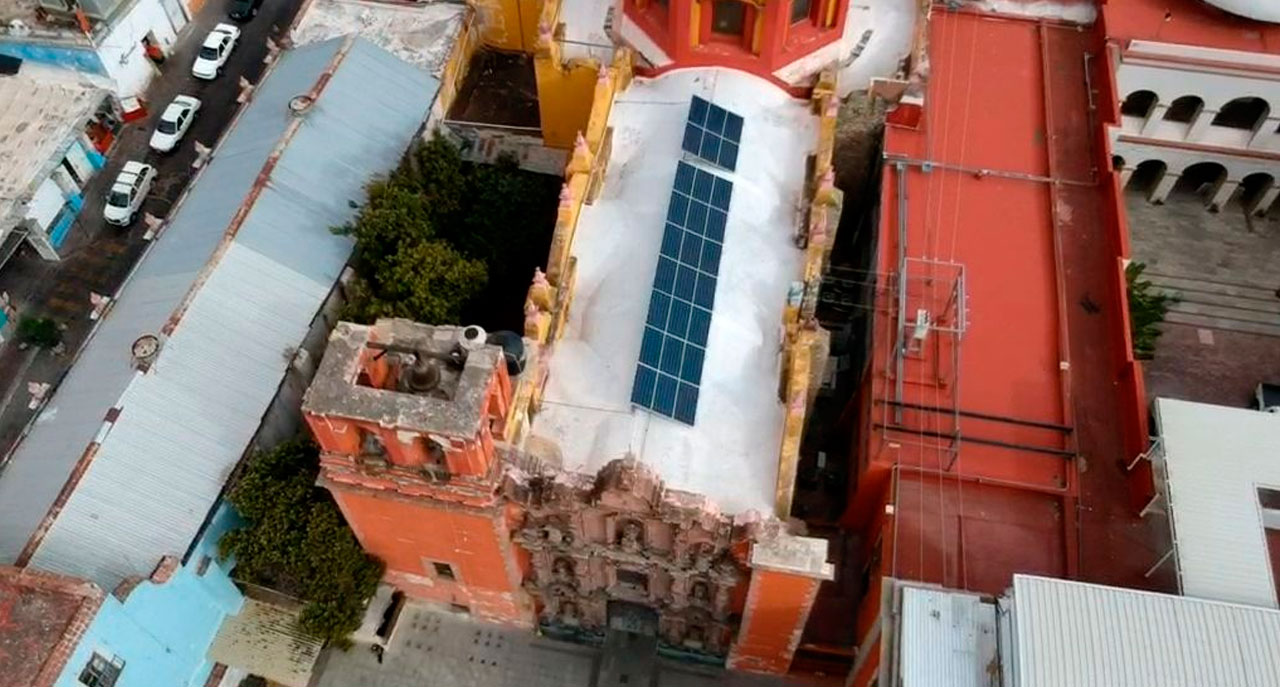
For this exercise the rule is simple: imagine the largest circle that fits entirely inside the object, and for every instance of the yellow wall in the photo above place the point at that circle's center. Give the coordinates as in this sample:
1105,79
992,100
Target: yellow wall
806,347
508,24
455,68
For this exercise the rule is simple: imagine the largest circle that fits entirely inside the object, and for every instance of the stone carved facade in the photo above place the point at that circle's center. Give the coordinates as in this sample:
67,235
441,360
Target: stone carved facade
620,536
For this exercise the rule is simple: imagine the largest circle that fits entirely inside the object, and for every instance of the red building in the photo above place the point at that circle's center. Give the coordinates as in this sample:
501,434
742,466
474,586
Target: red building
412,421
774,40
1001,405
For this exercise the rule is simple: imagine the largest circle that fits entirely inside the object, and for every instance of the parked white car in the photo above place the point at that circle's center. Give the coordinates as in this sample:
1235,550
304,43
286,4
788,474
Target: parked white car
214,51
125,197
174,123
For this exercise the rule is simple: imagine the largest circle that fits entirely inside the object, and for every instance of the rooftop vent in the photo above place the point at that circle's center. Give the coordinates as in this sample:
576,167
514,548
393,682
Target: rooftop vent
512,350
144,350
299,104
471,338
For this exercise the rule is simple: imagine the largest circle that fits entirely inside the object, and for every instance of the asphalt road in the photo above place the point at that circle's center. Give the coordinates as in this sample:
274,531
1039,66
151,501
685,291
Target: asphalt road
96,256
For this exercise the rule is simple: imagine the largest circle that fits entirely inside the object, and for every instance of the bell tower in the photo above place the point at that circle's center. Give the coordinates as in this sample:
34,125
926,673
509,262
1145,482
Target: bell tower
407,416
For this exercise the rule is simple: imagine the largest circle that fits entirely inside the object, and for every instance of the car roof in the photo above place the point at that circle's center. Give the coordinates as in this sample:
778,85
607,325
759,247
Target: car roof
215,37
132,167
174,109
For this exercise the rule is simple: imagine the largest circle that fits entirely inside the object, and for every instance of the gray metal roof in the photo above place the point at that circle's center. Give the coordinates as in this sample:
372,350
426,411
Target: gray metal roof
184,424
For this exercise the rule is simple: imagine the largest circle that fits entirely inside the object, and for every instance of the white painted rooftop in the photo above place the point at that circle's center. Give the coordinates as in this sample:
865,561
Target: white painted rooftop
1048,632
1215,458
948,639
39,117
1262,10
1071,634
584,28
421,34
731,453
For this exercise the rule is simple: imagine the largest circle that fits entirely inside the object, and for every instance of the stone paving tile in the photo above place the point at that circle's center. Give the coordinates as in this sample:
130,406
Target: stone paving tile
436,649
1211,361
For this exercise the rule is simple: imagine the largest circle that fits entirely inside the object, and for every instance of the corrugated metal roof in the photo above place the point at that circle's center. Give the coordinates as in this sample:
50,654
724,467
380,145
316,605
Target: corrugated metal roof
184,425
264,640
1070,634
1214,459
948,639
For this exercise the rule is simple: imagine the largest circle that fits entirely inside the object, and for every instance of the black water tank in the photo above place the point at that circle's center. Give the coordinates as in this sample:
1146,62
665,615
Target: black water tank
512,350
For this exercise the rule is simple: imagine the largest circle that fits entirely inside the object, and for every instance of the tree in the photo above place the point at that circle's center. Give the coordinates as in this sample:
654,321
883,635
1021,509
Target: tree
1147,309
295,541
427,281
441,236
39,331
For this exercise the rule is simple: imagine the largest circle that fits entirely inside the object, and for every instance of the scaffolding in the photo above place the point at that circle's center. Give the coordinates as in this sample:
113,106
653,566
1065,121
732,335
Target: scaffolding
919,404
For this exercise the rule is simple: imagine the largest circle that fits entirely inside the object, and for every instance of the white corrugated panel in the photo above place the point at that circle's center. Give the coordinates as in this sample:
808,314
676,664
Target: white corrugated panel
1071,634
1215,459
948,639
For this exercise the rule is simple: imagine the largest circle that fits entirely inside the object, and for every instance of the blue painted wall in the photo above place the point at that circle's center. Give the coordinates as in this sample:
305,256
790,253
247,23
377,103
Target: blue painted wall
67,57
62,223
163,631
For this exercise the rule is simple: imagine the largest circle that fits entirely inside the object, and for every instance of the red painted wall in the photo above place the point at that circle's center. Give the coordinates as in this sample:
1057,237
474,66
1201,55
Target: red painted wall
777,608
409,536
781,42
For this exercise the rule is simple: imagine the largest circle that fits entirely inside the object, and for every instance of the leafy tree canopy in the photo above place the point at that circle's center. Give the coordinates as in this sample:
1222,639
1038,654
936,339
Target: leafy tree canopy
443,239
296,541
1147,309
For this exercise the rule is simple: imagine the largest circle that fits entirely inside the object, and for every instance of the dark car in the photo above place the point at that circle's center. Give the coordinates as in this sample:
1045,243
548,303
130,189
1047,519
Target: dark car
244,10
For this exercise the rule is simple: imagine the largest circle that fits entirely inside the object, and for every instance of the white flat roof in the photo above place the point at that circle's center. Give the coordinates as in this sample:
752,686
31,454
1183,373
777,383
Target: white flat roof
422,34
948,639
39,118
731,453
1215,459
1059,633
1072,634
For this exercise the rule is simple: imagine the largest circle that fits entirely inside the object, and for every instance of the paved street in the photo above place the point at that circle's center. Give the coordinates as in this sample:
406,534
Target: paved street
96,256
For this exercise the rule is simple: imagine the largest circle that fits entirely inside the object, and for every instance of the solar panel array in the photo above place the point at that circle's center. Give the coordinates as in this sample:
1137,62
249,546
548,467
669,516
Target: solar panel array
713,134
674,344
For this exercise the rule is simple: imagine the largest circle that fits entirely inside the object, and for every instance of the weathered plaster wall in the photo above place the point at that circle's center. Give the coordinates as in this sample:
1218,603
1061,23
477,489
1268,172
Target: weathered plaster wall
78,58
409,536
777,607
508,24
162,628
121,48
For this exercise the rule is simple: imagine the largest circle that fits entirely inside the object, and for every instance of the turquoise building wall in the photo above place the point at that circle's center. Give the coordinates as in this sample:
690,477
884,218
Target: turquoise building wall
163,631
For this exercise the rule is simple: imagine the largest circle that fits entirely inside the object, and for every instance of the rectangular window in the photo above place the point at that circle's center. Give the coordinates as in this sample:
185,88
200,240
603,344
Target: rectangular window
800,10
371,445
728,17
101,671
444,571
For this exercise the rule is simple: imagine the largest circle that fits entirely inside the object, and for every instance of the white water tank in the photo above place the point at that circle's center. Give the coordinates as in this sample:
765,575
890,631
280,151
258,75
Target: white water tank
1262,10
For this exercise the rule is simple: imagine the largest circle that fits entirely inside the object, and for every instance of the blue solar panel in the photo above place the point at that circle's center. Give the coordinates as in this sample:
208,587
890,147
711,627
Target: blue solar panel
674,344
714,134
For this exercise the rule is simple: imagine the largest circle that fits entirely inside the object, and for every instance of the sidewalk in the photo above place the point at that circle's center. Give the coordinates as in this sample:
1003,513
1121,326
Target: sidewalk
98,257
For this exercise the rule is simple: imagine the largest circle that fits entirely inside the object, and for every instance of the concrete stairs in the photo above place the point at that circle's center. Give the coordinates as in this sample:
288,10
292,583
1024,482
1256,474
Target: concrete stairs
1221,305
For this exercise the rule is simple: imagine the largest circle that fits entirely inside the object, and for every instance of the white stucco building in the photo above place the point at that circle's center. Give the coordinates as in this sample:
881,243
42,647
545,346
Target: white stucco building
1200,98
107,38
